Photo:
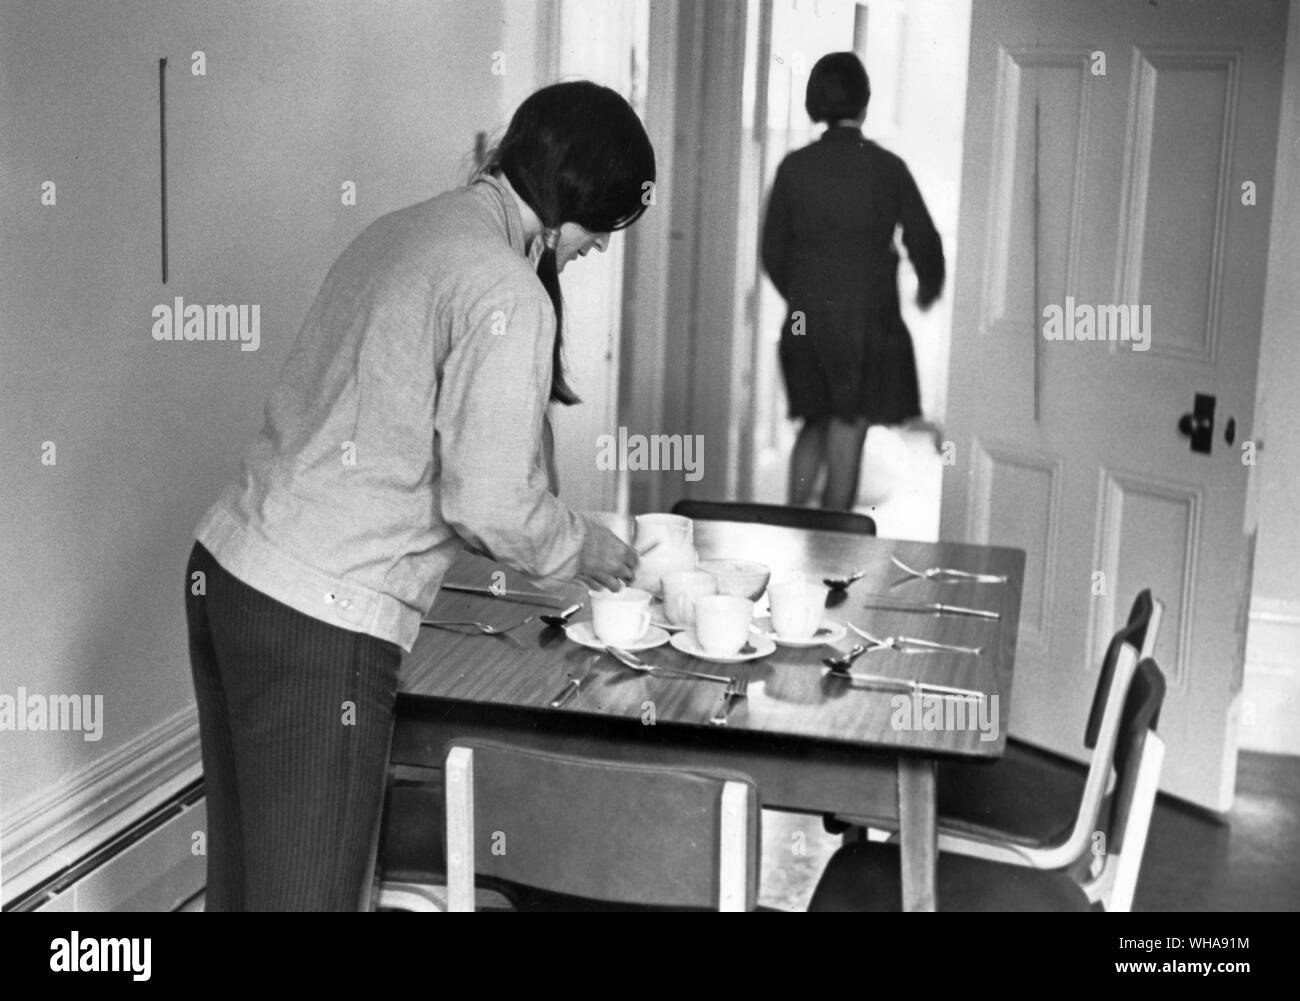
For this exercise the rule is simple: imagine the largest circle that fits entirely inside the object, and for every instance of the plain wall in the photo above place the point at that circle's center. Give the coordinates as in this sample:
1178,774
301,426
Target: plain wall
298,98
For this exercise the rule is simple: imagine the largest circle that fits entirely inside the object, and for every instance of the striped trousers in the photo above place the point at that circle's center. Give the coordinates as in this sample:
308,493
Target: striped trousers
296,719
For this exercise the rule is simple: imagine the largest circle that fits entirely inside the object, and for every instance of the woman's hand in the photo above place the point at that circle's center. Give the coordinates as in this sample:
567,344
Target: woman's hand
606,559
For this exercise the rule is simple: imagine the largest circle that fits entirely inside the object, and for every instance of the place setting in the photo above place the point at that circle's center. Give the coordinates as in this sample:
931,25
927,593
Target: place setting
620,626
944,575
709,609
839,586
797,615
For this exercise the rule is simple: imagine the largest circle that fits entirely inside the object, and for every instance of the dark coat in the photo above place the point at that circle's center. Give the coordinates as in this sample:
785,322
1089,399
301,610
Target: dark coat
828,246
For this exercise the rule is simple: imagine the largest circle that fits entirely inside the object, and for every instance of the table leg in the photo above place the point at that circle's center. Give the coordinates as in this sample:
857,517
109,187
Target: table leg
917,831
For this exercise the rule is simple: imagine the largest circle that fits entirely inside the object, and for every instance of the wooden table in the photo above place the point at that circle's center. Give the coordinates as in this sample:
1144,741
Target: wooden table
812,741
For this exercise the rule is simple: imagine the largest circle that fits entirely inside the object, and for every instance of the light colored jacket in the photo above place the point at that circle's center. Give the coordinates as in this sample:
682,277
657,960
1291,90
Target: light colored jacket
407,422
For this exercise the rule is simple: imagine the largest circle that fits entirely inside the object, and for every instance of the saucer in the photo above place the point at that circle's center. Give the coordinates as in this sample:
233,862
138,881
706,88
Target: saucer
829,632
583,634
660,620
687,643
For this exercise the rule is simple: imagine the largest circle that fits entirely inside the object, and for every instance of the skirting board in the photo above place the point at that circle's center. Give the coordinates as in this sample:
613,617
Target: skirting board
1270,698
37,834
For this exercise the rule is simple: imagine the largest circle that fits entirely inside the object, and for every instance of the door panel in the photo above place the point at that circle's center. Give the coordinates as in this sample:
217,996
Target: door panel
1017,498
1150,535
1058,78
1114,197
1182,134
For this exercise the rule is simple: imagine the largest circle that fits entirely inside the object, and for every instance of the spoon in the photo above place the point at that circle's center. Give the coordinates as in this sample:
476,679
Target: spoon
562,620
636,664
841,583
843,663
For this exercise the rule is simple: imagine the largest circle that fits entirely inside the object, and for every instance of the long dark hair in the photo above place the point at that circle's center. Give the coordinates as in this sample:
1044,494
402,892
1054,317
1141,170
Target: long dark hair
575,152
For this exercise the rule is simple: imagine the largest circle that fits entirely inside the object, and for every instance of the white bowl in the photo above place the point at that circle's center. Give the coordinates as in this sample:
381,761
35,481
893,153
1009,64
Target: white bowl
742,578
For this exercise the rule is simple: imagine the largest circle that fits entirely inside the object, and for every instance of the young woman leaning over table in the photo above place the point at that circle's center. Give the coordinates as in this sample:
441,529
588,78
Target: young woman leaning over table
408,422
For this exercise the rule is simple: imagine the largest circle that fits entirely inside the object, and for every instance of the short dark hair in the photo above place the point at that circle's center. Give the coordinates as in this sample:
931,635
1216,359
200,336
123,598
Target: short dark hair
575,152
837,88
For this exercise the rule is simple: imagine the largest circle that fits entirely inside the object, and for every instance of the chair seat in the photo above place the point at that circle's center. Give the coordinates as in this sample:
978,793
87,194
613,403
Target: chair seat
1026,797
866,876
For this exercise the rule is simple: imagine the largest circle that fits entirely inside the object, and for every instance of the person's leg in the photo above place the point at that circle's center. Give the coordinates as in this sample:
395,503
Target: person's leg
311,715
806,460
844,441
223,843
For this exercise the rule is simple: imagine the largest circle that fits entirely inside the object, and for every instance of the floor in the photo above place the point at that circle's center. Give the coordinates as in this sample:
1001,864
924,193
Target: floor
900,484
1246,861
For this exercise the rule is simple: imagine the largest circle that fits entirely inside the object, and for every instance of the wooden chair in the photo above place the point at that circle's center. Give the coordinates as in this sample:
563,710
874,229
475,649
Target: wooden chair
866,875
810,519
559,832
608,831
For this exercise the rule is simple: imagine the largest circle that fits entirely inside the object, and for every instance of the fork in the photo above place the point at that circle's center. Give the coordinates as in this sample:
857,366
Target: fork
738,689
901,643
942,572
482,627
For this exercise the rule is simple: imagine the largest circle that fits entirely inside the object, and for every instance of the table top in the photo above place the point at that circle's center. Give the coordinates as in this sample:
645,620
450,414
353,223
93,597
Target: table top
792,695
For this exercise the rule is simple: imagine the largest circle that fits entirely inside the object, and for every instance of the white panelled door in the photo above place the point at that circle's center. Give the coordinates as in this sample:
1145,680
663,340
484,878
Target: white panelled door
1142,133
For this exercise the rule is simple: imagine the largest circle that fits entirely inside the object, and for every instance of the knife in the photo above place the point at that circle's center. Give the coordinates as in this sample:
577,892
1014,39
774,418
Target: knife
571,687
522,597
921,687
886,603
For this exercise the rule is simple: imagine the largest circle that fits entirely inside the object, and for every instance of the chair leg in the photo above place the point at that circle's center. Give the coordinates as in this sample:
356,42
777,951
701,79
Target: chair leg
370,886
460,829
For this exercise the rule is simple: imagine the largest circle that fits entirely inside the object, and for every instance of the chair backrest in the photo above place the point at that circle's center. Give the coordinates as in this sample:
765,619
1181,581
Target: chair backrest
613,831
811,519
1146,695
1138,756
1140,633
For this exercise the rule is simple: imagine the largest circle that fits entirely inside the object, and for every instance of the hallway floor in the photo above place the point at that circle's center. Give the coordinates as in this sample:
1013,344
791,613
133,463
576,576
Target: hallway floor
900,486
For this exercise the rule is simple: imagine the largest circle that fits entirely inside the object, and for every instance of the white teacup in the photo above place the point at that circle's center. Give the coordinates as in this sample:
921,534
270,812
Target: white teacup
620,618
680,591
797,608
722,623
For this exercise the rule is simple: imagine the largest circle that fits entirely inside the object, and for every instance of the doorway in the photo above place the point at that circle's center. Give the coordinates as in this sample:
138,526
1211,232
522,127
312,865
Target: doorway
915,54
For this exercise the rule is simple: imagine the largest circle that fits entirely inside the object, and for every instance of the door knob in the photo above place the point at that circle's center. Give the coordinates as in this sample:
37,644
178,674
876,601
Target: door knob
1199,424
